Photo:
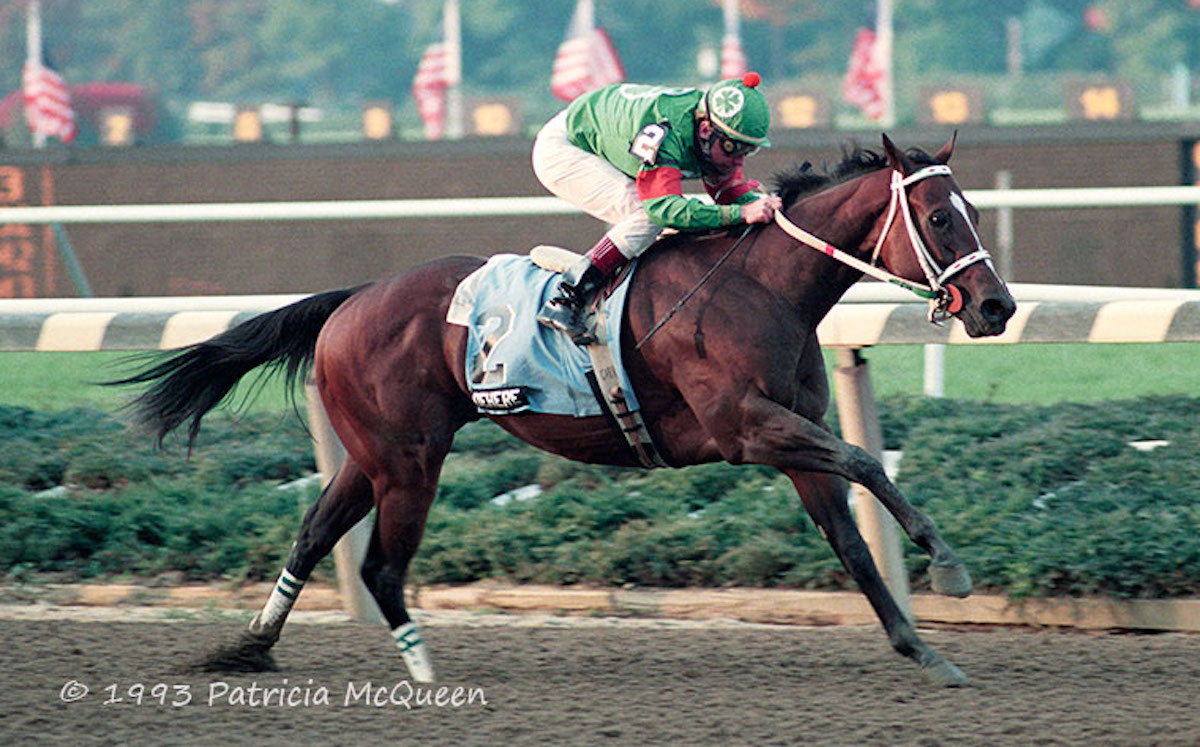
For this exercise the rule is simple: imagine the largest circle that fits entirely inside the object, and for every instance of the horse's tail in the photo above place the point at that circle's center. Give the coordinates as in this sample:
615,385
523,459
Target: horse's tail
194,379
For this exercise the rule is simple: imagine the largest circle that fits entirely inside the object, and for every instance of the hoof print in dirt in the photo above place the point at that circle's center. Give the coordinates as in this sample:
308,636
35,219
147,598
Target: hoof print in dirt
242,656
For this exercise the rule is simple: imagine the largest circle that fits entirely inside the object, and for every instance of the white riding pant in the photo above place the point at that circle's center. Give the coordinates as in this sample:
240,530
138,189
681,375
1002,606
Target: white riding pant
591,183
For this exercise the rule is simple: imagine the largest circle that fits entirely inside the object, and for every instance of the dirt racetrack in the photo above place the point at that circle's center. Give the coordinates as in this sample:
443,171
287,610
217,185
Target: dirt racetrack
596,681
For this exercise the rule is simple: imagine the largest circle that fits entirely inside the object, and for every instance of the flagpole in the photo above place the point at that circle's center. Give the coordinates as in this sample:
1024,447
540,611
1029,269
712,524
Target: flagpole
733,36
56,235
733,59
452,37
33,56
883,53
733,19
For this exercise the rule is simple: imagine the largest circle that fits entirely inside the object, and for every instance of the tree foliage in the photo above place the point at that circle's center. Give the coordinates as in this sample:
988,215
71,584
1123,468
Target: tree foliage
342,52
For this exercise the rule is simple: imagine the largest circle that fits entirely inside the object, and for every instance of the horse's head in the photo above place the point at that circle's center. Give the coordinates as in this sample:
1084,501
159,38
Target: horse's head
931,236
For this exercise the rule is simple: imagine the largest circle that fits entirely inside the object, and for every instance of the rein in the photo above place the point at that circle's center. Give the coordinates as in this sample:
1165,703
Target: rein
940,299
679,304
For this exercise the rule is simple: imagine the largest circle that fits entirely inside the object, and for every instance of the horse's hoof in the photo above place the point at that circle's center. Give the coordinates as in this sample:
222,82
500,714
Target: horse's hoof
951,580
944,674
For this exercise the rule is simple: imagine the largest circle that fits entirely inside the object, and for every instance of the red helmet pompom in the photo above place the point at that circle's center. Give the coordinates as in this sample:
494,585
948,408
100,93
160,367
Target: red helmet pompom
751,79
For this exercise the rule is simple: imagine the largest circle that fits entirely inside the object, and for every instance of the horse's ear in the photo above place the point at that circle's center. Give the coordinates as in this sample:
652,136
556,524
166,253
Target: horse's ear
943,155
897,158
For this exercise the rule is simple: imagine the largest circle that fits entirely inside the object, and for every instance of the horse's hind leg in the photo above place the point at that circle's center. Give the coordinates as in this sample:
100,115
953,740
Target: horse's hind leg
403,498
384,574
343,503
824,497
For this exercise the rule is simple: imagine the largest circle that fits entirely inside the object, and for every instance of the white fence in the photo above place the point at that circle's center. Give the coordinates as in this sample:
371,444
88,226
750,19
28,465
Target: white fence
871,314
482,207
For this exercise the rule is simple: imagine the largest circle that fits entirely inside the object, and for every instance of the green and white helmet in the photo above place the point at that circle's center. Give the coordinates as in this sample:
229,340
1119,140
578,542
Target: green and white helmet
739,110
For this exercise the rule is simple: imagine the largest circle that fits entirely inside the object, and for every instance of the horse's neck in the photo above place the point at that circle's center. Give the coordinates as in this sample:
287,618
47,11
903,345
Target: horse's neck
845,216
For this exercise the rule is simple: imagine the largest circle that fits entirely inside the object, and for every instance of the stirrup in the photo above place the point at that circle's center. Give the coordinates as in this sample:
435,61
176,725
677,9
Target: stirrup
584,334
558,315
568,319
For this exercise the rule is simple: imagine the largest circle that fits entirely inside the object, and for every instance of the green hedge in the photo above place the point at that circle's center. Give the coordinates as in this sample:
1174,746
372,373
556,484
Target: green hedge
128,510
1053,500
1039,500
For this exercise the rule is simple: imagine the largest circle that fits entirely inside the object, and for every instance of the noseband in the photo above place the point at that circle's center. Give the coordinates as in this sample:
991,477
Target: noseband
940,299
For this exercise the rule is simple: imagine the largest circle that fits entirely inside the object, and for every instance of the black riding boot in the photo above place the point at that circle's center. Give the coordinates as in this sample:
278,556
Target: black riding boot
565,310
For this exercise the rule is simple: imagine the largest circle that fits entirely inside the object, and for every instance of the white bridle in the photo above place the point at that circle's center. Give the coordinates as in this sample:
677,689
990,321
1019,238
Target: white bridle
935,274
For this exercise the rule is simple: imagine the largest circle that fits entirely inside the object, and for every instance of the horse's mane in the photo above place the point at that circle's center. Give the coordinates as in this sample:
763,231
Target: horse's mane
804,179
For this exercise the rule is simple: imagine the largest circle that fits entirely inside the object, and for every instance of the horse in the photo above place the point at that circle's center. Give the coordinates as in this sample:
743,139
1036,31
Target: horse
735,373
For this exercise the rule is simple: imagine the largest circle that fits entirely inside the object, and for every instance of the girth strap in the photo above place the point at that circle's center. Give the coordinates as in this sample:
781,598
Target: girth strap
629,421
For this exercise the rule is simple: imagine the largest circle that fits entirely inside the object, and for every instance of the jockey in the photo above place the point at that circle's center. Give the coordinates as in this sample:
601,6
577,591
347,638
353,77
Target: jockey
620,153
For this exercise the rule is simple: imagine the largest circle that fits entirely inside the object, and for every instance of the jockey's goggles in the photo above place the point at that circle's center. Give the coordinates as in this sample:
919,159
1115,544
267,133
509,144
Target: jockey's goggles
737,148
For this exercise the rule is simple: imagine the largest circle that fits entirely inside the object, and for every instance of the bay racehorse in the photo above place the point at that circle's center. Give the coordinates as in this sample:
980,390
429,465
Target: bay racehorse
735,374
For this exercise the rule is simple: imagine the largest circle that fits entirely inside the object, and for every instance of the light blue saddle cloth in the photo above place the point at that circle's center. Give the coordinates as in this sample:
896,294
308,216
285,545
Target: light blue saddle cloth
515,364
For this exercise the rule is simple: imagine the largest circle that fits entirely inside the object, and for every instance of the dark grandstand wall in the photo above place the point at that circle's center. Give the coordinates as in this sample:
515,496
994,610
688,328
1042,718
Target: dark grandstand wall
1135,246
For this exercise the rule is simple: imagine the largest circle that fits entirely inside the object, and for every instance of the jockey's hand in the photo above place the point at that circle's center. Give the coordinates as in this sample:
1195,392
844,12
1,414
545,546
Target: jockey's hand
761,210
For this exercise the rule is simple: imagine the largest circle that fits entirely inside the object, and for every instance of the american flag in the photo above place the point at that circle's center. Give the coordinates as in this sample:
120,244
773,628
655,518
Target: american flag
733,59
429,89
586,60
48,109
440,68
862,85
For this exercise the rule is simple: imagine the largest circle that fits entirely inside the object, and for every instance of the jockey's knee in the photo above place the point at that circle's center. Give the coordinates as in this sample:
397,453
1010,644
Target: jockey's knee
634,235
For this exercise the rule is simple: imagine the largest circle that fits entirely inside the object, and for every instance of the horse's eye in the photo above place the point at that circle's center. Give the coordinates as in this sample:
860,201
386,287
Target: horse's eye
939,219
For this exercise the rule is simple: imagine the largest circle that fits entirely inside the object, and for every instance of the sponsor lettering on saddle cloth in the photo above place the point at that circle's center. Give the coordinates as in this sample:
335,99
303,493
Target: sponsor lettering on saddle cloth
515,364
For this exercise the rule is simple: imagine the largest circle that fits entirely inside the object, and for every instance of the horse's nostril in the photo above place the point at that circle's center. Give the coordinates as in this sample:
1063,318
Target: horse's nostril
997,309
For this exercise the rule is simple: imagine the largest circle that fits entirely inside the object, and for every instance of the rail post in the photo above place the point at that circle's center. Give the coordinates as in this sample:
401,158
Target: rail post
860,426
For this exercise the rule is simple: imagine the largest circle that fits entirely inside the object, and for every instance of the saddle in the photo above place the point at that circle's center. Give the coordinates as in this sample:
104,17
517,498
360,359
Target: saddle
514,364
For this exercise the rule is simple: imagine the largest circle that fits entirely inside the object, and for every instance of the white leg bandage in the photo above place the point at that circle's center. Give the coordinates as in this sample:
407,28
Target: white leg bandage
414,651
283,596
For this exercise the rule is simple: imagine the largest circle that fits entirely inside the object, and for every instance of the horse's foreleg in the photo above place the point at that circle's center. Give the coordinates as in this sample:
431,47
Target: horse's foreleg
947,573
779,437
824,497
